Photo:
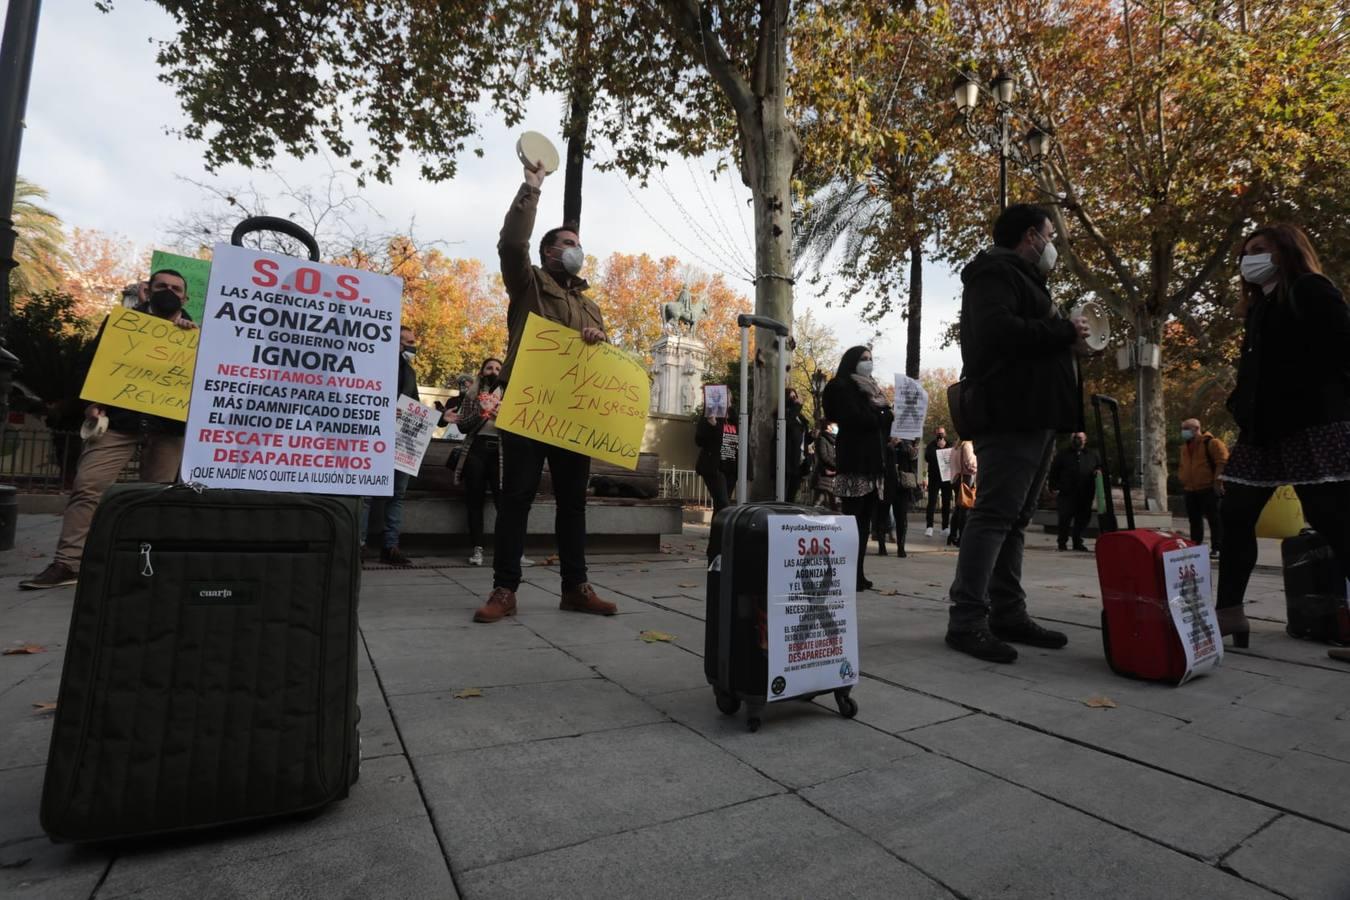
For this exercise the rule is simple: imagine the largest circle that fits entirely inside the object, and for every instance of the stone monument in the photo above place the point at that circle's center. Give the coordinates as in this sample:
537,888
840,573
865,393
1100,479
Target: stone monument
679,358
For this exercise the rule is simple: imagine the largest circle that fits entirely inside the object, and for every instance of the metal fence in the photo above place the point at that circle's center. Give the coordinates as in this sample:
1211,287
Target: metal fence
686,486
42,461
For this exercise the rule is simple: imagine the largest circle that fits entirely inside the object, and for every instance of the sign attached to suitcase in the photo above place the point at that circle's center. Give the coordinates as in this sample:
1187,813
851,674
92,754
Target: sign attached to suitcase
812,621
588,398
296,379
1186,574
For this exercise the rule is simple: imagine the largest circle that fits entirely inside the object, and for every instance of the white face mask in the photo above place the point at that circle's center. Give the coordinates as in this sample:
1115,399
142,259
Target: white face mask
572,259
1049,256
1257,268
865,367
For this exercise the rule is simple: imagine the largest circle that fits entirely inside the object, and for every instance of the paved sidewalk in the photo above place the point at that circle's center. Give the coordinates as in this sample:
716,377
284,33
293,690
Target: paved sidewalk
596,765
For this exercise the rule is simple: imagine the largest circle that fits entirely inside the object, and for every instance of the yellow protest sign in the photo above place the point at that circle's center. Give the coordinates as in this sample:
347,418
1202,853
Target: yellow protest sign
591,399
143,363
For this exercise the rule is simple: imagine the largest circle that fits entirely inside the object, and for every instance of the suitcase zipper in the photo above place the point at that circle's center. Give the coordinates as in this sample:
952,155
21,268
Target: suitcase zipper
148,569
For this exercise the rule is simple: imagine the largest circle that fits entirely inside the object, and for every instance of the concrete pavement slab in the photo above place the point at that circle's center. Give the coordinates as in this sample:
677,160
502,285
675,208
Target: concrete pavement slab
569,629
30,864
439,723
503,803
645,668
983,837
1297,858
801,743
28,730
1202,821
775,847
482,668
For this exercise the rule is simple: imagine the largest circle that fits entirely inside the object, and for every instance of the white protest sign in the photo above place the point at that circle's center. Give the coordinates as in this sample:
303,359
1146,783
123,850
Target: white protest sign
416,421
944,458
812,614
911,408
716,400
1186,576
296,377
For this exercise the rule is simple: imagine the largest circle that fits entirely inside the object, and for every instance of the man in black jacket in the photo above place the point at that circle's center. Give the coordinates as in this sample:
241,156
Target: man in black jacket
1073,484
1022,388
104,456
390,552
936,485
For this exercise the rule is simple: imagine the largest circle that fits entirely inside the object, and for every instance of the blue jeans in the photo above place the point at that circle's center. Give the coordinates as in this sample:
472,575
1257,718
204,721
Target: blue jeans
988,585
393,512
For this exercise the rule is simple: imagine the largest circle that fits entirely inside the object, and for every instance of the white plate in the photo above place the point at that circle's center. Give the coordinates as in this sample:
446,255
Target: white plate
533,147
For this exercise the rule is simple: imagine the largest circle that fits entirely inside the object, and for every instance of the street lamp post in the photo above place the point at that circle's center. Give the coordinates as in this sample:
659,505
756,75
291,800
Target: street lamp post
818,382
1035,143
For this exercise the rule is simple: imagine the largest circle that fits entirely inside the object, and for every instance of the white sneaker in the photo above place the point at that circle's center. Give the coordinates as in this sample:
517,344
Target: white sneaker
477,558
928,532
946,531
526,562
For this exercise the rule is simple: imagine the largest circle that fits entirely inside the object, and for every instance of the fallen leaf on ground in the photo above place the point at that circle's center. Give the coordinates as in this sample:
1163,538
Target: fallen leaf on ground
44,707
466,693
1100,703
652,637
1084,596
688,584
25,649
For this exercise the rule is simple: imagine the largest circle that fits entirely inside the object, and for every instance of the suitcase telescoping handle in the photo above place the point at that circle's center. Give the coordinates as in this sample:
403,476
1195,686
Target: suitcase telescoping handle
780,333
1107,521
273,223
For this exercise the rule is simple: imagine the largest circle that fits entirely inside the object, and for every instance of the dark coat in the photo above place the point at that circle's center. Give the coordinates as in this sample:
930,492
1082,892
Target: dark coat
708,437
931,462
1016,346
1073,472
1295,366
863,429
407,379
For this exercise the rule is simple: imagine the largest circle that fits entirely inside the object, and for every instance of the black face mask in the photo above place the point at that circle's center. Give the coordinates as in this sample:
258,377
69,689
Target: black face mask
487,382
164,303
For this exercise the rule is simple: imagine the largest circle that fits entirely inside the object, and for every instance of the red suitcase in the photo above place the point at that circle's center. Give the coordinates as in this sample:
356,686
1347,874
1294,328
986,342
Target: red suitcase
1138,633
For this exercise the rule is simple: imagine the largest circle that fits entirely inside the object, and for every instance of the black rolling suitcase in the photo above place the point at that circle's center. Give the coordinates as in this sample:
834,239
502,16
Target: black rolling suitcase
735,656
210,672
1314,590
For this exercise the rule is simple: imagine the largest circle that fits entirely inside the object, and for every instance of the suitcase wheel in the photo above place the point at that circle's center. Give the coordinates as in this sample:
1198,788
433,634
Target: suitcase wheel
727,704
848,707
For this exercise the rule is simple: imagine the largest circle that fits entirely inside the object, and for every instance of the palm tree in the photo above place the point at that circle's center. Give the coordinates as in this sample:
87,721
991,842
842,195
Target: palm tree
40,248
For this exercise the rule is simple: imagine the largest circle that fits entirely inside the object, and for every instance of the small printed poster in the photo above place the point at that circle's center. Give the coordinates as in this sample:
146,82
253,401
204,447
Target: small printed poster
911,408
730,441
414,424
716,400
1186,575
944,458
812,611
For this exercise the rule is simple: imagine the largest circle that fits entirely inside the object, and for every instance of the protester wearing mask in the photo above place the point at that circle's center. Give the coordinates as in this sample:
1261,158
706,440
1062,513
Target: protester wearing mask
554,291
718,440
795,428
1073,484
1200,470
106,454
825,472
855,401
1020,387
390,553
1291,405
937,485
478,464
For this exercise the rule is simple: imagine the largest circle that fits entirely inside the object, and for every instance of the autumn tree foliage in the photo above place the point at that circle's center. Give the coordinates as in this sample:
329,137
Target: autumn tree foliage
99,266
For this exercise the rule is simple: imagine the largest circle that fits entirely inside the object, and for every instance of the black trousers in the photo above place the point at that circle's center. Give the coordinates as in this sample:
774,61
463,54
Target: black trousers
1325,506
1200,506
522,465
720,488
862,509
1075,512
481,468
945,489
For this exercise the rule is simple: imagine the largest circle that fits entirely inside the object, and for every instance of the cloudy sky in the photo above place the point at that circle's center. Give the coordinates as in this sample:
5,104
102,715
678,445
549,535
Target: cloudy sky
97,140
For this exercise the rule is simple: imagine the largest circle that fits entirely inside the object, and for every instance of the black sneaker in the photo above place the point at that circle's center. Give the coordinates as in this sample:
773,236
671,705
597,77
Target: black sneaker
1062,548
982,645
1081,548
56,575
394,557
1030,633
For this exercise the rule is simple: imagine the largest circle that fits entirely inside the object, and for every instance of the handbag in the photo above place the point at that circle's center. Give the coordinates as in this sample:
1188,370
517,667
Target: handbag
965,494
966,402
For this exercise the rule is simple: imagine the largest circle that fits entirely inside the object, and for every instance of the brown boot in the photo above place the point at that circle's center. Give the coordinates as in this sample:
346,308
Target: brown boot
582,598
500,604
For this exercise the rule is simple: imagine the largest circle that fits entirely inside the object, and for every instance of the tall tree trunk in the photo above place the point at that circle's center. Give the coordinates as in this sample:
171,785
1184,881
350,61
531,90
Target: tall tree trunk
914,313
578,116
1154,477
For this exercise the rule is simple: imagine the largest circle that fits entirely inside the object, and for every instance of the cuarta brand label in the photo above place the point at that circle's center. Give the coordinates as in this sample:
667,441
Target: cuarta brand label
221,592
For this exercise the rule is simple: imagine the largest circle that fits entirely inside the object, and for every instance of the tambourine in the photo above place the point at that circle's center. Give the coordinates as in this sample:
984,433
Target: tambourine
533,147
1099,324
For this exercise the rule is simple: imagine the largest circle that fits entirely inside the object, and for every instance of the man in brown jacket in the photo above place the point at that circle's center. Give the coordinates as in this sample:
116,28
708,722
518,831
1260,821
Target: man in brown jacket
553,291
1203,457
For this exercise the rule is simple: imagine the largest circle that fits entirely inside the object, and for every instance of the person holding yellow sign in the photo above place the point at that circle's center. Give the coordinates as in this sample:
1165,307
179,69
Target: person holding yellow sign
554,291
152,369
1292,407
